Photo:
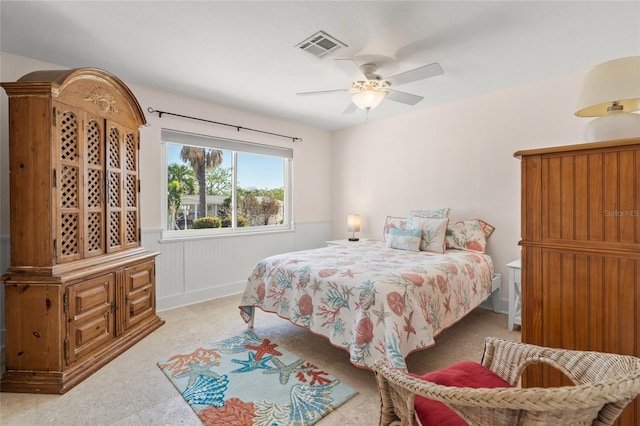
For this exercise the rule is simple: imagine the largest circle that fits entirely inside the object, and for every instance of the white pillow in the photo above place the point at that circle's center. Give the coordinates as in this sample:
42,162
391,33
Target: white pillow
434,232
404,239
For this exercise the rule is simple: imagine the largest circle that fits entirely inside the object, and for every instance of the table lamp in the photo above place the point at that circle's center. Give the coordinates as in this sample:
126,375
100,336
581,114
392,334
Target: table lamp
353,226
611,91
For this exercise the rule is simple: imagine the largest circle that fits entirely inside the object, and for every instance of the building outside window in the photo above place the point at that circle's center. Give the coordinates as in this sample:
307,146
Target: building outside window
221,186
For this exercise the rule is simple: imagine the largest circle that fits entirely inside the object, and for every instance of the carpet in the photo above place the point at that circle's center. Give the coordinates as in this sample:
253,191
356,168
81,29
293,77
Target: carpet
246,380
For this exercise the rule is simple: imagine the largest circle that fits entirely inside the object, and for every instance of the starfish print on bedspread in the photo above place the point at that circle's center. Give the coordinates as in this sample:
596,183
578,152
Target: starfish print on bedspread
266,347
381,315
447,304
284,370
316,286
252,363
408,327
348,273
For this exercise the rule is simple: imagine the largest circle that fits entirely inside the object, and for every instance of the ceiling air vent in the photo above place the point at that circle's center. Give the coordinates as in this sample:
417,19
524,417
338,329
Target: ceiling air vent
321,44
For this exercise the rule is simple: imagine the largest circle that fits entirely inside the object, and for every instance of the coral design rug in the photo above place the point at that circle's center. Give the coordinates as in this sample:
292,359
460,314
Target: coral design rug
246,380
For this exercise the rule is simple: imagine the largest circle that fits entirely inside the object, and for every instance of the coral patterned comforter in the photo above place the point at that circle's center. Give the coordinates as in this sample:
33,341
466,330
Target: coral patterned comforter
375,302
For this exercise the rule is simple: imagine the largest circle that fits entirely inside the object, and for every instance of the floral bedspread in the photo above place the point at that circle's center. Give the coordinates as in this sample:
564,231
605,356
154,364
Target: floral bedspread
375,302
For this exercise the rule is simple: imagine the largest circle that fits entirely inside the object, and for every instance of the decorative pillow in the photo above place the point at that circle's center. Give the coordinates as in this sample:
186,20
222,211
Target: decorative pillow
433,214
404,239
433,232
463,374
469,235
393,222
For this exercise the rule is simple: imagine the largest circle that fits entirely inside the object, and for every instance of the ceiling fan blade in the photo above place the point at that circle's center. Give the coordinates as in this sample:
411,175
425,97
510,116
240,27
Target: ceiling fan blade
415,74
322,92
350,109
351,69
402,97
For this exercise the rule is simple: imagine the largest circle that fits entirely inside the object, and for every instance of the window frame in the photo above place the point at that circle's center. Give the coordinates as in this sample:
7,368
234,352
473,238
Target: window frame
169,136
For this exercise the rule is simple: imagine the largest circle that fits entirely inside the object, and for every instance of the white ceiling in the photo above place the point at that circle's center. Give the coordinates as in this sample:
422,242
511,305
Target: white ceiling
242,54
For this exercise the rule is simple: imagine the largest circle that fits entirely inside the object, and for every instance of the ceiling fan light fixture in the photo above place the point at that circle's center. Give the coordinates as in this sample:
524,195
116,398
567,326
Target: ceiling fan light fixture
368,99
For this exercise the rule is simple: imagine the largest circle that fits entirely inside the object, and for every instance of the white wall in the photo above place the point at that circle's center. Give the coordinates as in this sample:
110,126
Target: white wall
190,270
458,155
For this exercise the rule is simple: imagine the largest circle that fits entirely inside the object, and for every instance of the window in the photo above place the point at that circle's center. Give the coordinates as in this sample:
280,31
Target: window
221,186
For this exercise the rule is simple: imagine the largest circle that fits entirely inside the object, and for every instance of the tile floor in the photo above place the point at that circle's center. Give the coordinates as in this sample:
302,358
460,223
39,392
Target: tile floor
131,389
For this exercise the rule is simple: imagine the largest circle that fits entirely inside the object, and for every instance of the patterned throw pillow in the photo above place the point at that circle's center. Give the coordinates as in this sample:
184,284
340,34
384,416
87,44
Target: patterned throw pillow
433,233
434,214
404,239
393,222
469,235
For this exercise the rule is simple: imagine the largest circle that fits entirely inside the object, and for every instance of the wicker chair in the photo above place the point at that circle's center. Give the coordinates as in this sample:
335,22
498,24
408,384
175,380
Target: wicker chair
604,385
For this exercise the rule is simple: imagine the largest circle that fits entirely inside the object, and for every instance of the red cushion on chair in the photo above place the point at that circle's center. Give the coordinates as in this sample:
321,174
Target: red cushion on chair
467,374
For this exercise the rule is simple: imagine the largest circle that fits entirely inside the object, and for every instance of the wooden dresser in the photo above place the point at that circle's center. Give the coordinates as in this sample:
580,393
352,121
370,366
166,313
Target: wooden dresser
80,289
581,252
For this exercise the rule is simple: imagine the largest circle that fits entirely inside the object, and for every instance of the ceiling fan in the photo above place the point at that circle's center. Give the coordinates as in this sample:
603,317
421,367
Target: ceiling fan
368,89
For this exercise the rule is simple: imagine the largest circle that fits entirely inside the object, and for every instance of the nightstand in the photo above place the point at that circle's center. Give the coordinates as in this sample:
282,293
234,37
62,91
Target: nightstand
515,298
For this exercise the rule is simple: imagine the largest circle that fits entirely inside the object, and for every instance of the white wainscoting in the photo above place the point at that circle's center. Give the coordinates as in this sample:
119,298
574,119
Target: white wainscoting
194,270
191,271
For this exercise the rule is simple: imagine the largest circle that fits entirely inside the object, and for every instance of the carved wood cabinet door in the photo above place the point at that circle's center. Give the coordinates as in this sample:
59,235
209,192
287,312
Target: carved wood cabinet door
96,185
139,294
90,316
68,184
122,184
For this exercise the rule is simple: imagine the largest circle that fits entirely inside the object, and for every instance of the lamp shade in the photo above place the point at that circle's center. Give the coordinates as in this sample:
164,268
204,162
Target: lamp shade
614,81
368,99
353,223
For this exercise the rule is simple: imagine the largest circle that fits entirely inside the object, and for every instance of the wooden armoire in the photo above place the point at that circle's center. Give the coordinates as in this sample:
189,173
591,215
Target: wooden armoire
581,252
80,289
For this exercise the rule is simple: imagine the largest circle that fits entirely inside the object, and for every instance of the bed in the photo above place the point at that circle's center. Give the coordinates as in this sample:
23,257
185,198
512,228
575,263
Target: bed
374,301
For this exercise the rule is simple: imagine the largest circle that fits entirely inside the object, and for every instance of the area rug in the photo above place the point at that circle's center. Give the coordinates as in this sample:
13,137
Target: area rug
246,380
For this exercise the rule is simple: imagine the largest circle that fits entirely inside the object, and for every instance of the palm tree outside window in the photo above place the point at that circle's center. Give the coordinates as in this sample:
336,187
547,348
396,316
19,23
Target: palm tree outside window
221,186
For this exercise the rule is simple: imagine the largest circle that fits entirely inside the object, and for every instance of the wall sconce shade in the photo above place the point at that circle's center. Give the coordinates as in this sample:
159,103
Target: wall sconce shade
611,91
353,225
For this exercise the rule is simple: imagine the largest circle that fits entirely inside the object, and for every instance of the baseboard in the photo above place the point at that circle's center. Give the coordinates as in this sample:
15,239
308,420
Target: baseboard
185,299
504,306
